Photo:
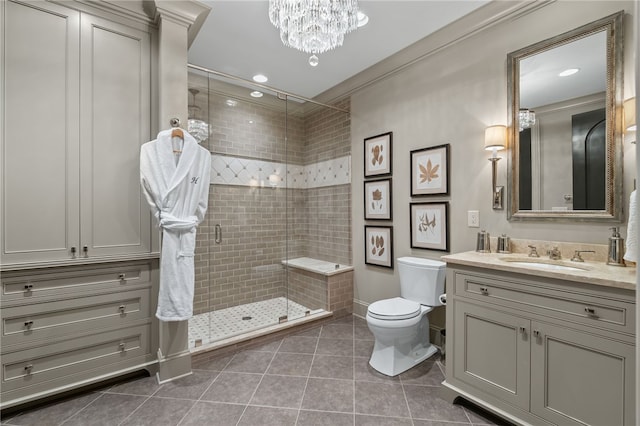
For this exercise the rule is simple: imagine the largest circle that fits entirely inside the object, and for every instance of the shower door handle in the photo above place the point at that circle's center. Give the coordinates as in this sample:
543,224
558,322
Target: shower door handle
218,234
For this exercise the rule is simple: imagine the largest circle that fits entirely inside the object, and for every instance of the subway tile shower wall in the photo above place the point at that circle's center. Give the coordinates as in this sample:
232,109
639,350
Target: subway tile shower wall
256,221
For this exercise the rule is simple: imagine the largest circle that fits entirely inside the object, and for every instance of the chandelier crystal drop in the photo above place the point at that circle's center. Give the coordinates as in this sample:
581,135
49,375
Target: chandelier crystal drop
526,118
197,128
313,26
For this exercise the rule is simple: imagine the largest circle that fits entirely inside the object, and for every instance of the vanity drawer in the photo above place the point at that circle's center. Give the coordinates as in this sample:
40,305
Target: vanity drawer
74,356
614,315
26,285
47,320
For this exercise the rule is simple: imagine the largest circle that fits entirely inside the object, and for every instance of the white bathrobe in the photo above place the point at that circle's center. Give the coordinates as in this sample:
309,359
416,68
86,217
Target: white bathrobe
178,195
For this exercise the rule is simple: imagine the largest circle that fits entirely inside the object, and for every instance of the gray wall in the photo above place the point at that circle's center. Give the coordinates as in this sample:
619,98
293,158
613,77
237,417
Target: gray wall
451,96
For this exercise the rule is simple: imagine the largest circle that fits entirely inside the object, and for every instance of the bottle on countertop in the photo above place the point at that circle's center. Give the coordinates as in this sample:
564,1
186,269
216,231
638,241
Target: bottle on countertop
616,249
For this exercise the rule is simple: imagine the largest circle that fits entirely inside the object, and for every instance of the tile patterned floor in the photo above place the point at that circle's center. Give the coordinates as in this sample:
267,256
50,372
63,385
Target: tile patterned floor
225,323
317,377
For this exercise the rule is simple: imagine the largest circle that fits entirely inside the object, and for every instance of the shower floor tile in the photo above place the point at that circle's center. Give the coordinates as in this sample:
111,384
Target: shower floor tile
224,323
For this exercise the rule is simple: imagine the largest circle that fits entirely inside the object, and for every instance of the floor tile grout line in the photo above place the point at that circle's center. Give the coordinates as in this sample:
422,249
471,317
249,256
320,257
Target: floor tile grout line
306,383
258,386
199,398
67,419
353,369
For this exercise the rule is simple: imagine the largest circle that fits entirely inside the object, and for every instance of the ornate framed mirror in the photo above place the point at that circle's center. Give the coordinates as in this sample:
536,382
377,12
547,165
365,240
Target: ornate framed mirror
565,125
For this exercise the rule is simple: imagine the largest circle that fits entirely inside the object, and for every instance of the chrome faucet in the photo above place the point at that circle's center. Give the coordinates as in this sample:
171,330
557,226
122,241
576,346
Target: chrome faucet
554,254
533,252
576,256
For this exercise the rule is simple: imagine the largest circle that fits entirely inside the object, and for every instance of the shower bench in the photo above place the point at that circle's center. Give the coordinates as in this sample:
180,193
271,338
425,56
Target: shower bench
318,284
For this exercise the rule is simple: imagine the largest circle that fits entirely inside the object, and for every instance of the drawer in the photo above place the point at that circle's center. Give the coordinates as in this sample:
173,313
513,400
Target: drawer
25,285
51,320
589,310
72,356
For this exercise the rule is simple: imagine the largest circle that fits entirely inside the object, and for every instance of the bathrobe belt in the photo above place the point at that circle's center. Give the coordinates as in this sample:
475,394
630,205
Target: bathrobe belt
185,229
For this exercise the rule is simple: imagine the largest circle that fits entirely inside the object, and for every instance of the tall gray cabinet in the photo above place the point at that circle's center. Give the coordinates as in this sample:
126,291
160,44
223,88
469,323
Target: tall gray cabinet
78,254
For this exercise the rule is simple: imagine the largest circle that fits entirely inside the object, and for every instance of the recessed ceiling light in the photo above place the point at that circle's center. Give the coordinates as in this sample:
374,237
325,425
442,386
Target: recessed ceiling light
260,78
256,94
231,102
569,72
362,19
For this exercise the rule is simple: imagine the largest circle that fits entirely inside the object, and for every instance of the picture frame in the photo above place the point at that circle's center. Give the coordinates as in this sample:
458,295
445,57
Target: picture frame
378,243
430,171
378,200
378,158
429,225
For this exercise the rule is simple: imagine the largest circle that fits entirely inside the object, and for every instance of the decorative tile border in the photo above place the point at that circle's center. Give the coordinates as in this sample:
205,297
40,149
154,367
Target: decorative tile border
228,170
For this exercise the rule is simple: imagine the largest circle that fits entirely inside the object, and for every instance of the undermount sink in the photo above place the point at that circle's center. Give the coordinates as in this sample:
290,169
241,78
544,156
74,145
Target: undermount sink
542,264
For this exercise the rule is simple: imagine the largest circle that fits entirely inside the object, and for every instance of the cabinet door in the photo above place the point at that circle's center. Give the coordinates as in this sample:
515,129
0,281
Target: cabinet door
579,378
491,352
39,203
115,121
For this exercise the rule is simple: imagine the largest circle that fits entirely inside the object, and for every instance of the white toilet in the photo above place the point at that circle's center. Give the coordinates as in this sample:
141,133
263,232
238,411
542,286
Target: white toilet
400,324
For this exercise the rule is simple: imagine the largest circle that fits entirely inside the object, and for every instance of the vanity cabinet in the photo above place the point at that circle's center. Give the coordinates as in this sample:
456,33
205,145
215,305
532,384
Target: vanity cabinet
66,327
540,350
76,102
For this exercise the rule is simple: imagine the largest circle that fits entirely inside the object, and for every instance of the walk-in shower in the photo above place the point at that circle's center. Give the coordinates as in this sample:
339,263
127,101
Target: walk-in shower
276,243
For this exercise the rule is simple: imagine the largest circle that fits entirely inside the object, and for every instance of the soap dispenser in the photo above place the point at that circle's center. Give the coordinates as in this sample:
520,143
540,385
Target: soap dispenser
616,249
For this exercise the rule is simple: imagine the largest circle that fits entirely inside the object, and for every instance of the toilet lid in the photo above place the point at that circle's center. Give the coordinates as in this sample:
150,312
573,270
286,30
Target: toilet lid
394,309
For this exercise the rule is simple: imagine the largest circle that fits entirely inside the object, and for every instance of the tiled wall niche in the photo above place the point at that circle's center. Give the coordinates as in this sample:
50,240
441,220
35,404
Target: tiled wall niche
257,230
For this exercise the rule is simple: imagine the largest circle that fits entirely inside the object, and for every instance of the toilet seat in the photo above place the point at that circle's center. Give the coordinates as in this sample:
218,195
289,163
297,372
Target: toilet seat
395,308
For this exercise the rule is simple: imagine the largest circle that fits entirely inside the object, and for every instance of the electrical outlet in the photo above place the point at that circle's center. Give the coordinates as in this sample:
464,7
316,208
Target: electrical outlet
473,219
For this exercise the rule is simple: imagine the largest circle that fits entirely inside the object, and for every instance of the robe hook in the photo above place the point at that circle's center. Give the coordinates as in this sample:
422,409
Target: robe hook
175,122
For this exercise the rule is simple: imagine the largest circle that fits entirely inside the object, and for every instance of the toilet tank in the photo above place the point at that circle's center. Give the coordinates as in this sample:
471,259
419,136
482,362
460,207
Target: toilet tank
421,280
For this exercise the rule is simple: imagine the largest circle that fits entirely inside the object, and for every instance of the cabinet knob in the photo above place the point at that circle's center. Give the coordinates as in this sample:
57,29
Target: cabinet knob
28,324
484,291
122,308
121,346
28,287
523,330
536,333
85,251
73,252
122,276
590,311
28,368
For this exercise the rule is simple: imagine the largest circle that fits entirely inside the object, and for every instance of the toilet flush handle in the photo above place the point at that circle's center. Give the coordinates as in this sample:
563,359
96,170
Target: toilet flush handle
443,298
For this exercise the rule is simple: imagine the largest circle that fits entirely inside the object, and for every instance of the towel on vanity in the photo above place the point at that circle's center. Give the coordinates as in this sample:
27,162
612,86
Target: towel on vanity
631,251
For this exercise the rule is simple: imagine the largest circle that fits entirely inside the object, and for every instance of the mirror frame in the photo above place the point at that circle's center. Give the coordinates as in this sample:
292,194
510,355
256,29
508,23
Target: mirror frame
613,25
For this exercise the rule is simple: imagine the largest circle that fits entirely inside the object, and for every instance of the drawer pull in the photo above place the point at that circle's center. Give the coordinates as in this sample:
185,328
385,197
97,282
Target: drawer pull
121,346
28,287
28,368
484,291
590,311
121,308
122,277
28,324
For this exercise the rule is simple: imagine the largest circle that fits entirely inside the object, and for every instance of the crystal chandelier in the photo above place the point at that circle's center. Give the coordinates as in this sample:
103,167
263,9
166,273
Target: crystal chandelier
197,128
526,118
313,26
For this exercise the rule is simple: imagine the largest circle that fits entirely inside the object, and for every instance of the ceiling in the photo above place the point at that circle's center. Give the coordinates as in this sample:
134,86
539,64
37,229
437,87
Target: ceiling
237,38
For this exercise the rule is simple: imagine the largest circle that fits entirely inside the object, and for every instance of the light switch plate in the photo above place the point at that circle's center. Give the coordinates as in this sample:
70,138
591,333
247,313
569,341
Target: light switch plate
473,219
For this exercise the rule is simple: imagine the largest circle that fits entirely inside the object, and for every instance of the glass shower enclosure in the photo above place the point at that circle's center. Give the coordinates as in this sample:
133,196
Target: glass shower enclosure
279,193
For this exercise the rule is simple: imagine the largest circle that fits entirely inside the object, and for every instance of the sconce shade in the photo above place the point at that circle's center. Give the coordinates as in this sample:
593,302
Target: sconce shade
629,108
495,137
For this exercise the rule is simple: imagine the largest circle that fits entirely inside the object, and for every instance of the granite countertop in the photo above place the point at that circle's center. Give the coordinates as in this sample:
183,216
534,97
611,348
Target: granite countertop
591,272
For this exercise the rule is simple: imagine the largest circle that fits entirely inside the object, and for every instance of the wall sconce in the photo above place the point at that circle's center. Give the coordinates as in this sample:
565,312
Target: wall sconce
629,108
495,139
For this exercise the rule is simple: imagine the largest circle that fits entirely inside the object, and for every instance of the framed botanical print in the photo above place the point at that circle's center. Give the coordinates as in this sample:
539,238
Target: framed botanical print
377,199
378,244
430,171
429,223
377,155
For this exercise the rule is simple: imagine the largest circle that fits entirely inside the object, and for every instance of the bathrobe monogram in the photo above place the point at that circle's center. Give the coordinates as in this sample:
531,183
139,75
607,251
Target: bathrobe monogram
177,192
